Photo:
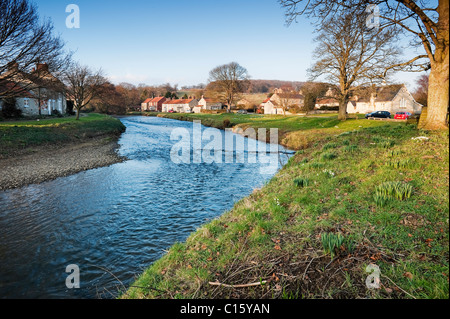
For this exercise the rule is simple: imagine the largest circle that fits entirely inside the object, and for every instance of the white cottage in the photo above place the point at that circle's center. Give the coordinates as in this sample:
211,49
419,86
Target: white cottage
391,98
180,105
38,92
209,104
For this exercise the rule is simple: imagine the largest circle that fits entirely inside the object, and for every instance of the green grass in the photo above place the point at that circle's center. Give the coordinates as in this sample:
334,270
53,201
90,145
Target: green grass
275,234
19,135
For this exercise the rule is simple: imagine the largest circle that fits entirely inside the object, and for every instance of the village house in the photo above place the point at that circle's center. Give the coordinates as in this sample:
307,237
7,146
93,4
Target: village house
144,105
210,104
326,102
392,98
180,105
153,104
35,93
281,103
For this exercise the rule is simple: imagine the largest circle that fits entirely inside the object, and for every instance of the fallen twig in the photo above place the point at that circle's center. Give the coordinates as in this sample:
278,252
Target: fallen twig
216,283
398,286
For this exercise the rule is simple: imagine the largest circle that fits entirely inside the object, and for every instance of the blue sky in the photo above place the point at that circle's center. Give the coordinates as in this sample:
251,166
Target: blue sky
180,41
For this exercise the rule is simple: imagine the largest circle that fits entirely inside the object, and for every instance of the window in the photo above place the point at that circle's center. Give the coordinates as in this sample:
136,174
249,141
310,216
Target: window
26,103
402,103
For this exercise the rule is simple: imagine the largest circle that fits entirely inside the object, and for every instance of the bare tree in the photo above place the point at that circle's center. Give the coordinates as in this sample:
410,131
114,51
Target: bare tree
351,55
83,85
24,42
228,81
426,23
289,100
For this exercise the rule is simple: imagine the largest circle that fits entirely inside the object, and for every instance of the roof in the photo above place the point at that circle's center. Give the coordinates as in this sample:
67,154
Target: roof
157,99
266,100
180,101
209,100
382,93
326,100
14,88
147,100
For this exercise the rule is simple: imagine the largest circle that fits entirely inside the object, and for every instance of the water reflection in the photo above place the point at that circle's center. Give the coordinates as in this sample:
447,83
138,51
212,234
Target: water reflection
113,220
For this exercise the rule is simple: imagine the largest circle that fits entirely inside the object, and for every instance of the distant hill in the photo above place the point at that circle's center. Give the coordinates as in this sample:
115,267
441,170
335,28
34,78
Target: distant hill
267,86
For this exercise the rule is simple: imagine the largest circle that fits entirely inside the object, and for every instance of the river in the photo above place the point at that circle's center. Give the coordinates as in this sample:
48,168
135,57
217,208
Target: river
113,222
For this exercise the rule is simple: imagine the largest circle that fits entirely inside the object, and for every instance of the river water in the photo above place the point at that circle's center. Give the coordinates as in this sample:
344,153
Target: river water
113,222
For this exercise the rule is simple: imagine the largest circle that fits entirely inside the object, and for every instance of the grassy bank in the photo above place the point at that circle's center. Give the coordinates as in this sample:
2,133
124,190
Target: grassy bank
294,132
356,193
22,135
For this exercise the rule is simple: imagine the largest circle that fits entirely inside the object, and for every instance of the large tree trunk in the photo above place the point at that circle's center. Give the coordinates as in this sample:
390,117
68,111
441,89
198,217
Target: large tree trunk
438,81
438,99
342,115
78,114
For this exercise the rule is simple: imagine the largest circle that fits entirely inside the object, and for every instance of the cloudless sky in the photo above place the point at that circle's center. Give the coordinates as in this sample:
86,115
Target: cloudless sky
180,41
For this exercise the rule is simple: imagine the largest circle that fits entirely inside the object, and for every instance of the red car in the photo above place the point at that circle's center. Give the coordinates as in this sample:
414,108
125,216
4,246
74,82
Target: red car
402,115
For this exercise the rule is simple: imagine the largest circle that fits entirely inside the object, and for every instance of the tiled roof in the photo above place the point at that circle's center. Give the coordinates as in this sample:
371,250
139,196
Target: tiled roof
181,101
382,93
14,88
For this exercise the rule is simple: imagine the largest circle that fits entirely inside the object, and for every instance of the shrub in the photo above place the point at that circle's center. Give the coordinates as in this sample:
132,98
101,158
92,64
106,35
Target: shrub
226,123
57,113
9,108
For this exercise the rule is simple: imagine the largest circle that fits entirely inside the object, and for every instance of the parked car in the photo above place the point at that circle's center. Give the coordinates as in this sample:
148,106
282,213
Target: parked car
172,111
242,112
402,115
379,114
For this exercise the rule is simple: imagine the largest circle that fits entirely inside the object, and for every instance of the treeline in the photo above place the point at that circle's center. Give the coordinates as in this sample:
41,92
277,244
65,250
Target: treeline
124,97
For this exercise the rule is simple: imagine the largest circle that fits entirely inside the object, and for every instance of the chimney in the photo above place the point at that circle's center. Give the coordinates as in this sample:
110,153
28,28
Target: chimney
42,67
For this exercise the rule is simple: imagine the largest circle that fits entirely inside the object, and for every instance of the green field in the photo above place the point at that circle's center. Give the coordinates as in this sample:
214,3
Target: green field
20,135
356,193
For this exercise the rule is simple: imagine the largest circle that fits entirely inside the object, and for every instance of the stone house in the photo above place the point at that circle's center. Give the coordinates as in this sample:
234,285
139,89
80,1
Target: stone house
37,92
326,102
280,103
210,104
392,98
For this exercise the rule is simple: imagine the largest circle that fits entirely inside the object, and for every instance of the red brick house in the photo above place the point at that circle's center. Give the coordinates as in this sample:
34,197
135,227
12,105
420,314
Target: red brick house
153,104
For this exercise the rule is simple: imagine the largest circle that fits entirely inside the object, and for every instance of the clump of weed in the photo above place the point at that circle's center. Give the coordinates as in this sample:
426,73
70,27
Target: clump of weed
329,145
301,182
391,190
328,156
317,165
351,148
402,163
331,243
393,153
